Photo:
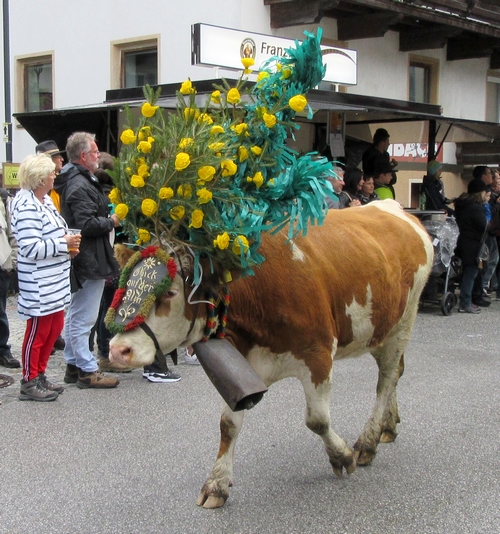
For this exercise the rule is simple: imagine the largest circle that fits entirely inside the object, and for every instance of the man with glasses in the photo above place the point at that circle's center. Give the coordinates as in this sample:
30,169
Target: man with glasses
85,207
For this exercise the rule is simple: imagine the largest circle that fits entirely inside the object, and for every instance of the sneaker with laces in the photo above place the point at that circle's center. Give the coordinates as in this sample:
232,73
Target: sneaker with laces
71,374
189,359
169,376
49,385
35,391
95,380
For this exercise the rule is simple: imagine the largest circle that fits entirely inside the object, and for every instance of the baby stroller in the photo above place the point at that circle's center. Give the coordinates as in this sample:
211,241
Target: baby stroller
442,283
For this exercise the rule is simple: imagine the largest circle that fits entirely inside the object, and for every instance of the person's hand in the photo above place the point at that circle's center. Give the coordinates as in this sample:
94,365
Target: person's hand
73,242
116,219
73,253
354,202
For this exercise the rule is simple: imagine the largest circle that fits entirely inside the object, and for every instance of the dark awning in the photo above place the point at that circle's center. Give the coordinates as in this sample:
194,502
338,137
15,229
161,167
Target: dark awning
406,121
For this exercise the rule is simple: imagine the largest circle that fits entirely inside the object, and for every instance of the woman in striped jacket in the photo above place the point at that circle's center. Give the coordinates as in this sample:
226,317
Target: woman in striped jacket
43,272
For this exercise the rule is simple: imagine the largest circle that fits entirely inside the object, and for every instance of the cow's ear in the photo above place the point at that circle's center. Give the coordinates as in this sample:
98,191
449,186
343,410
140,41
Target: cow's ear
122,254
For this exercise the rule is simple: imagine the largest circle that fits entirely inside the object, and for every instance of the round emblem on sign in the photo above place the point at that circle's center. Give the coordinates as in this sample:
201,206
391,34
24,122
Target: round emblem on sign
248,48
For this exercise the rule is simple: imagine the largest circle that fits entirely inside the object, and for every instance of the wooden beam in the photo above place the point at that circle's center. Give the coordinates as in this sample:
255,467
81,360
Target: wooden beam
495,59
470,47
366,26
425,39
295,13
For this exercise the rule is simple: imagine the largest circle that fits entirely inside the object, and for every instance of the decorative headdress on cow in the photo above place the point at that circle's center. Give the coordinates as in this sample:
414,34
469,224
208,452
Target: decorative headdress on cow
215,177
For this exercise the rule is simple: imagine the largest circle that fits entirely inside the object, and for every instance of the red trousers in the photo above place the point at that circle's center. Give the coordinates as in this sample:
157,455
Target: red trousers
39,338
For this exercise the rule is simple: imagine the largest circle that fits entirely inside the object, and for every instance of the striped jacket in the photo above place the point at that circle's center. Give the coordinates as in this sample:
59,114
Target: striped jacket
43,260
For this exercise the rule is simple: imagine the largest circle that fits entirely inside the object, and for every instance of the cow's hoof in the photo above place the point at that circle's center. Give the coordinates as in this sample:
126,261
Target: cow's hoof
388,436
210,501
349,465
364,458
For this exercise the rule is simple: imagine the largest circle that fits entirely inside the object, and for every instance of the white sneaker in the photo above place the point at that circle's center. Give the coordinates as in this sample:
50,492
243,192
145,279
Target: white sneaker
189,359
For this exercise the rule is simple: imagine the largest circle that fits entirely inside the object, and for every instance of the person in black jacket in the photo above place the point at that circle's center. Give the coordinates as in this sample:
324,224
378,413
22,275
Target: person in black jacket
85,207
472,224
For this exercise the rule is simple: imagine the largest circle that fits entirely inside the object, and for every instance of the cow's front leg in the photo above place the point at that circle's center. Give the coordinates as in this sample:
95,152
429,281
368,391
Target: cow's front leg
215,491
318,420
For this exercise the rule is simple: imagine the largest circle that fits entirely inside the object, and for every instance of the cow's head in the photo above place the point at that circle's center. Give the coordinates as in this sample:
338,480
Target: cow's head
155,292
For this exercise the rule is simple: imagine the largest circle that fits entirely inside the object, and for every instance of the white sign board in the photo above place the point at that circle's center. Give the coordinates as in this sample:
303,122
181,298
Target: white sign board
213,46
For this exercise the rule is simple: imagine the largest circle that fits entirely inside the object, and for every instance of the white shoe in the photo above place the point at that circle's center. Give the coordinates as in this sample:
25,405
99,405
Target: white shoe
189,359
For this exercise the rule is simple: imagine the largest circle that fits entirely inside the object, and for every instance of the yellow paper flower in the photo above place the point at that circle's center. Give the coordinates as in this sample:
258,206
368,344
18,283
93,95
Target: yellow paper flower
222,241
247,62
127,137
233,96
191,113
143,170
137,181
205,117
241,128
269,120
149,207
144,147
185,191
206,173
262,74
215,97
121,210
256,150
196,219
114,196
257,179
185,142
242,154
182,161
148,110
240,242
286,73
140,161
144,133
187,88
151,139
177,212
217,129
216,146
165,193
298,103
204,195
144,236
228,167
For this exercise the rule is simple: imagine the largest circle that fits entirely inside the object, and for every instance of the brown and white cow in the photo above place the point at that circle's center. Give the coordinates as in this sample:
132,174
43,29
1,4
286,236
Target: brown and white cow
349,287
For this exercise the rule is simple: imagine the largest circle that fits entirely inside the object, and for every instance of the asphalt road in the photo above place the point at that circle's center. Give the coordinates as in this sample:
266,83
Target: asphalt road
132,460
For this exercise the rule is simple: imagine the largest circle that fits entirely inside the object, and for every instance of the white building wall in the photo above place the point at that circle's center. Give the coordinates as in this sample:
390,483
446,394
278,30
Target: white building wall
80,35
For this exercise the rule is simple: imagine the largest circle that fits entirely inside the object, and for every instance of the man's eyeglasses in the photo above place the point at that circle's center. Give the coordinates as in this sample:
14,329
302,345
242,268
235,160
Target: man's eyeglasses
93,152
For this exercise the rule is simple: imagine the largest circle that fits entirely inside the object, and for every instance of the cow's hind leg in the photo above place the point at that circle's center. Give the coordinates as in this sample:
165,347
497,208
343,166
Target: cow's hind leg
318,420
215,491
391,420
382,424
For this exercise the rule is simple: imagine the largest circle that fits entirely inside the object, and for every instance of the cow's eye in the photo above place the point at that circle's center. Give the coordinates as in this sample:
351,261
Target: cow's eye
171,293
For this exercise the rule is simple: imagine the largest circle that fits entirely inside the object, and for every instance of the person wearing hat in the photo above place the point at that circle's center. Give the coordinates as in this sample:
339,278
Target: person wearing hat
51,149
472,225
383,177
378,152
435,198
